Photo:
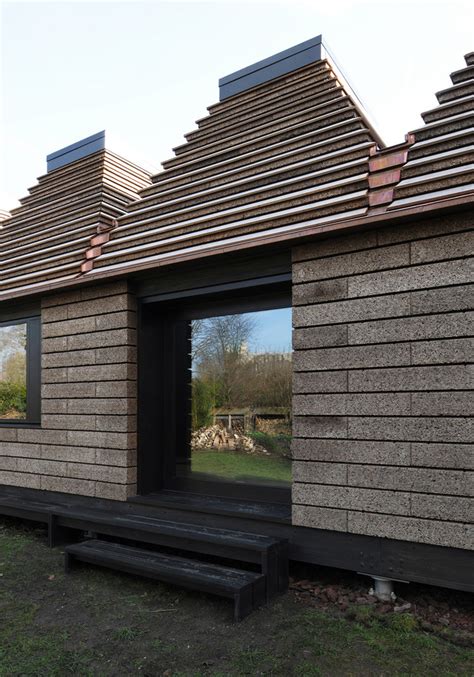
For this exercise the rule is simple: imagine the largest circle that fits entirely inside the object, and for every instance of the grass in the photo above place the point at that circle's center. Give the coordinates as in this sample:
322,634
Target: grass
99,623
234,465
279,444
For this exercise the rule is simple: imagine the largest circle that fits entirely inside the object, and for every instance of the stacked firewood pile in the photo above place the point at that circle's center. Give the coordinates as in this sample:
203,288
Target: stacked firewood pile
273,426
221,439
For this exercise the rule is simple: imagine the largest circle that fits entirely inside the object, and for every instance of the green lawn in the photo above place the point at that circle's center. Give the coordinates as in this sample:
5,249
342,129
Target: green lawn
240,466
99,623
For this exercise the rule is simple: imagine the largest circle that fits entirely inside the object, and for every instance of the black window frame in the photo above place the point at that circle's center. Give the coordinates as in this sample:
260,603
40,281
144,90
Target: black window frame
33,370
161,348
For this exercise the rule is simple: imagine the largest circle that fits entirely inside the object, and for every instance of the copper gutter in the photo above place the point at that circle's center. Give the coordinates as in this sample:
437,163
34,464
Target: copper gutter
368,221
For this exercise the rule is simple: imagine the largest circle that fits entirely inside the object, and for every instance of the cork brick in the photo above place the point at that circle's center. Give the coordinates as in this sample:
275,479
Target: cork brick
320,382
319,518
320,337
353,310
415,429
446,377
355,498
439,248
442,404
320,473
442,300
334,245
382,378
349,404
416,277
353,263
352,357
319,292
412,328
422,229
353,451
320,426
114,337
88,423
428,480
443,352
452,508
460,456
435,532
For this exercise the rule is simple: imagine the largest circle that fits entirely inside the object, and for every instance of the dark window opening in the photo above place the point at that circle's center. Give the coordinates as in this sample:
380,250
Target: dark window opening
215,394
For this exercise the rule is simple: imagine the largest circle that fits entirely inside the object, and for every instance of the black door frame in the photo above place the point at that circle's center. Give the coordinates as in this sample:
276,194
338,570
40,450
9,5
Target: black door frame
162,394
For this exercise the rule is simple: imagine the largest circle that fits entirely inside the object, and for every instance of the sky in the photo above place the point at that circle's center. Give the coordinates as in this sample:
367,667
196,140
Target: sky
145,71
272,331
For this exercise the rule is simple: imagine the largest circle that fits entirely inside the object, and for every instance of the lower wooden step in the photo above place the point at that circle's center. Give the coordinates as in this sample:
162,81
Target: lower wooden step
247,589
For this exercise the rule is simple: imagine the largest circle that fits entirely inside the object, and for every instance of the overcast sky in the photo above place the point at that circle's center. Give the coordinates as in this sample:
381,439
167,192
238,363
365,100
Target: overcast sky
145,71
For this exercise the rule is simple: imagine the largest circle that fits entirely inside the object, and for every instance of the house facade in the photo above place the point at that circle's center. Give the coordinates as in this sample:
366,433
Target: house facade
283,197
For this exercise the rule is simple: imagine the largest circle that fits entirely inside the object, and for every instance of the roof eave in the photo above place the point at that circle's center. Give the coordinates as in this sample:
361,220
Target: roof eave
365,222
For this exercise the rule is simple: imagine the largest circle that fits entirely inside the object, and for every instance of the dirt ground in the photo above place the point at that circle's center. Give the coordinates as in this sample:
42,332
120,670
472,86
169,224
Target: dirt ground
97,622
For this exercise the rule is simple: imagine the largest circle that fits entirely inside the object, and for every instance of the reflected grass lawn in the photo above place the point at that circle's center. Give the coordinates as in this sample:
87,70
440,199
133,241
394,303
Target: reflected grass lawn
233,465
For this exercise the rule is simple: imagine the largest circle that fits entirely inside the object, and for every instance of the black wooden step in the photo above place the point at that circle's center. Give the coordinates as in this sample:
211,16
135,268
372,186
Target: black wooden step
269,553
65,521
37,511
246,588
217,505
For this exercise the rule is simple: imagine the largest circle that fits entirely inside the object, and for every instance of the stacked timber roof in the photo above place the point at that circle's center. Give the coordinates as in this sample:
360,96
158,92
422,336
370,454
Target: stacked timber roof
273,159
440,162
287,152
47,238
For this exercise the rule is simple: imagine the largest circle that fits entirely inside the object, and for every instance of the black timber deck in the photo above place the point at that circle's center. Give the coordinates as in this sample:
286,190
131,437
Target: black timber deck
404,560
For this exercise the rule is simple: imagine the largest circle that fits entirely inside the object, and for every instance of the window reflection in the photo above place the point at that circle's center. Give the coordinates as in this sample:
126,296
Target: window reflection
241,396
13,371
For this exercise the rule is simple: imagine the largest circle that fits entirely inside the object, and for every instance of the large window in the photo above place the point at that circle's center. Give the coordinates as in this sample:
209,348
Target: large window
20,371
215,393
241,397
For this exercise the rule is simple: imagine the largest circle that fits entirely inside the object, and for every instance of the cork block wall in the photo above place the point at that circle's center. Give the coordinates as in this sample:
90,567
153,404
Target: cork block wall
87,440
382,340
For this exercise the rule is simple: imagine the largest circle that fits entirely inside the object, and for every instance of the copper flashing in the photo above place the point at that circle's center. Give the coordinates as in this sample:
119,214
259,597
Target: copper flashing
386,160
385,167
371,220
86,266
380,197
100,239
95,248
386,178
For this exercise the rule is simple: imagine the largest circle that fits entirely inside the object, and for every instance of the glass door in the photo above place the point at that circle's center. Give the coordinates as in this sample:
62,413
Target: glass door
239,383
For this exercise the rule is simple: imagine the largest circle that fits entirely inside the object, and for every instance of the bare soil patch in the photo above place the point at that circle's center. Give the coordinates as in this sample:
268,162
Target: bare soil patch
97,622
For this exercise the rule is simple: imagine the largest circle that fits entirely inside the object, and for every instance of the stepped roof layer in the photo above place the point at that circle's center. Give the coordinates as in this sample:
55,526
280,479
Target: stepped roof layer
288,152
440,160
70,211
